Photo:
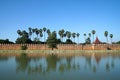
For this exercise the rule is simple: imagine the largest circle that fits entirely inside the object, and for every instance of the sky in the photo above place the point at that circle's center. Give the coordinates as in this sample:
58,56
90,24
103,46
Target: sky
79,16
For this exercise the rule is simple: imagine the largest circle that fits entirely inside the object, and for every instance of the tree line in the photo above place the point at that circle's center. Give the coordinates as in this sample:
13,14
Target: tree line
35,35
40,36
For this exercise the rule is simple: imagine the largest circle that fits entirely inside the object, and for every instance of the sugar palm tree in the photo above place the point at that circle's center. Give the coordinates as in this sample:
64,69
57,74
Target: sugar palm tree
78,37
111,36
74,35
30,32
68,35
61,34
84,36
40,33
64,35
93,32
36,32
62,31
48,32
33,31
44,29
19,33
89,34
106,35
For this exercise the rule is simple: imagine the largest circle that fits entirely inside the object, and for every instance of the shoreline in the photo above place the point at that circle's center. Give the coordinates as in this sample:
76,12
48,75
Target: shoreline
59,53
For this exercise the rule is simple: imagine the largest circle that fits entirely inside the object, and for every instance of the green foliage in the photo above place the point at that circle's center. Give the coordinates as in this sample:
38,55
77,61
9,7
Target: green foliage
118,42
68,41
88,41
5,41
52,40
24,47
24,38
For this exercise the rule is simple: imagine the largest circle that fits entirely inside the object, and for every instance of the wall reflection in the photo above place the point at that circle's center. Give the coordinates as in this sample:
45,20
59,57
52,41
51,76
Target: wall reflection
51,63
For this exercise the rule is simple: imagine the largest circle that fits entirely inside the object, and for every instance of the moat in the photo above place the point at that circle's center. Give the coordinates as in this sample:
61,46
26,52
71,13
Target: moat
94,66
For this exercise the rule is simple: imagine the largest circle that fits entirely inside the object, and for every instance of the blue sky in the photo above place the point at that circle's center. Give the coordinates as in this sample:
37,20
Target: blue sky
80,16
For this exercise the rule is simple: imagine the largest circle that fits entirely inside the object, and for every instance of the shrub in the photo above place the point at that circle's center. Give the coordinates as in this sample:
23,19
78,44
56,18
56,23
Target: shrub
24,47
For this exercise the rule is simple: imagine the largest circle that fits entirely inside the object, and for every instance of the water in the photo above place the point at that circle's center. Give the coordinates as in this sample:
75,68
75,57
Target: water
92,67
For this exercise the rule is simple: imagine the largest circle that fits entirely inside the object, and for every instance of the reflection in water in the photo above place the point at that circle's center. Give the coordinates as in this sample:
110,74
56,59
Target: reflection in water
53,67
44,65
22,62
3,58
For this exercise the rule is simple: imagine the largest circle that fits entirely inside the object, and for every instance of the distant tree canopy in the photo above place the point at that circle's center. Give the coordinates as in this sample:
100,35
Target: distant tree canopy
24,38
88,41
118,42
52,40
6,41
40,36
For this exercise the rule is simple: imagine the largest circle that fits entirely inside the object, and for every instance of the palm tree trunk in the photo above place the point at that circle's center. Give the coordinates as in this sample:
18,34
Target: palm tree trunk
93,39
78,40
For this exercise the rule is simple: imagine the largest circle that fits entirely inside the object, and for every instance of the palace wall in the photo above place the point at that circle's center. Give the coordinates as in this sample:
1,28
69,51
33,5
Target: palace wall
61,47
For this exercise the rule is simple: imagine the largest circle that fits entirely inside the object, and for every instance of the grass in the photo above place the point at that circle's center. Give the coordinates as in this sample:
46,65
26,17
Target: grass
57,51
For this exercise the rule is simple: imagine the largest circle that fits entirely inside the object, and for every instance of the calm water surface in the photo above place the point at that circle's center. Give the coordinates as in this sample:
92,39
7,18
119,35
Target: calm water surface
94,67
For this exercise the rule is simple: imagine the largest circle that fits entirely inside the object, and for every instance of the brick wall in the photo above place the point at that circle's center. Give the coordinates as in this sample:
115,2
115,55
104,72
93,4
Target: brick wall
61,47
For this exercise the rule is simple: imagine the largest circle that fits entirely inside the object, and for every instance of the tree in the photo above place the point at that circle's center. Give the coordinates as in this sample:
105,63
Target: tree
111,36
24,38
30,32
5,41
89,34
40,33
74,35
68,35
19,33
48,32
93,32
44,29
33,31
78,37
52,40
61,34
68,41
62,31
106,35
36,32
88,41
84,35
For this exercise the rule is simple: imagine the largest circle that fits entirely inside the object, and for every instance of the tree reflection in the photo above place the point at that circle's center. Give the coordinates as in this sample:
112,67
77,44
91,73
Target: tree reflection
107,67
22,62
43,65
2,58
51,62
94,69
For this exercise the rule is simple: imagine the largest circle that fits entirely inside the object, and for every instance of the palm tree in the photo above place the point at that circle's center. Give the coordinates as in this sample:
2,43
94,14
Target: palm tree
48,32
68,35
30,32
62,31
111,36
36,32
44,29
84,35
33,31
40,33
106,35
89,35
60,34
19,32
93,32
64,35
74,35
78,37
